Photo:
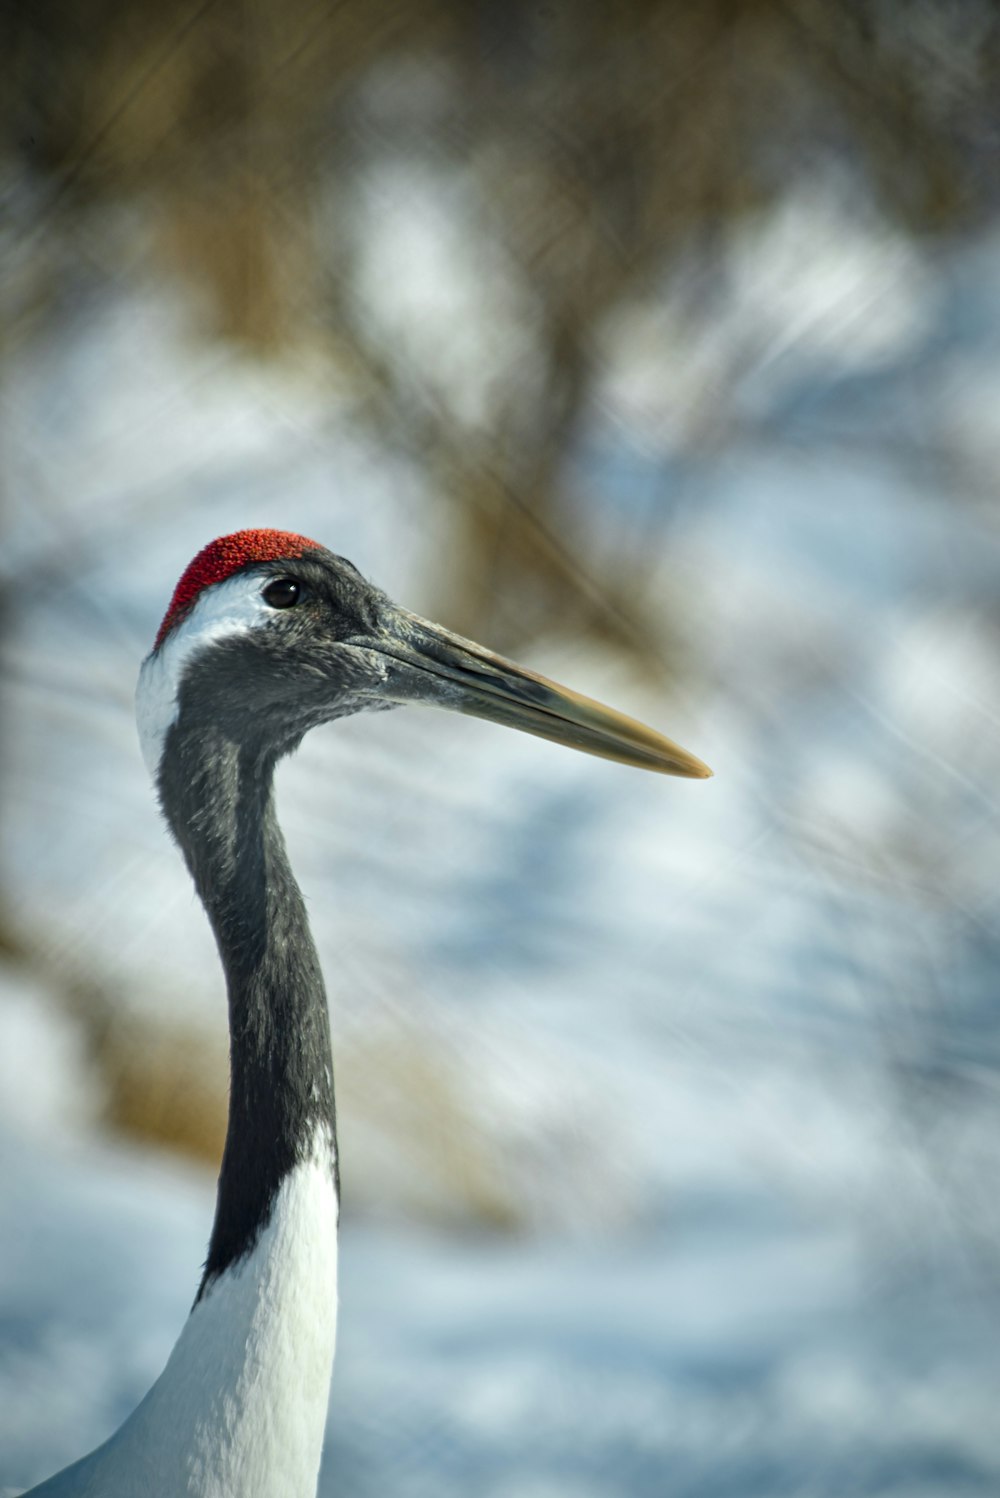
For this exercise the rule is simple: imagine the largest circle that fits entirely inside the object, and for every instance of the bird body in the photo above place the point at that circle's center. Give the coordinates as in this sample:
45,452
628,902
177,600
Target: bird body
267,635
240,1409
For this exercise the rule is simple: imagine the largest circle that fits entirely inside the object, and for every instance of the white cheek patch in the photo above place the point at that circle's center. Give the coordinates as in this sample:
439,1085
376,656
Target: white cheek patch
226,609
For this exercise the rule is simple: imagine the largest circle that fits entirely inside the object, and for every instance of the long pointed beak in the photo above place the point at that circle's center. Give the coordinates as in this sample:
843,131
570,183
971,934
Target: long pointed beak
446,671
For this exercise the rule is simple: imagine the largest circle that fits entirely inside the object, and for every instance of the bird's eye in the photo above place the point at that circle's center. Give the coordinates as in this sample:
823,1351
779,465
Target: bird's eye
283,593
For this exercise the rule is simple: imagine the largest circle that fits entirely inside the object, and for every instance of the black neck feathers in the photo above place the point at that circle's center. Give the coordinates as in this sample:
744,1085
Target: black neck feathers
218,799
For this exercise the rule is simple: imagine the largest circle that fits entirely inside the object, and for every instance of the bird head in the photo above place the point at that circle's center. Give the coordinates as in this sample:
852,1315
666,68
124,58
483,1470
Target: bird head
269,634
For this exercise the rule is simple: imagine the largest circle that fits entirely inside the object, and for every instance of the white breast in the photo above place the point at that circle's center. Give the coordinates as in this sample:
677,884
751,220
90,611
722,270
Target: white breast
240,1409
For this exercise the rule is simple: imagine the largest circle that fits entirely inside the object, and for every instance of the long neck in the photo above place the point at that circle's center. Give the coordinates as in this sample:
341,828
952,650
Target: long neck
240,1407
220,804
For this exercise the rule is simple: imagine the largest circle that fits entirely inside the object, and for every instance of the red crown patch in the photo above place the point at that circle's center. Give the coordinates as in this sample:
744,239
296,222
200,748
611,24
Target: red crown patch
221,558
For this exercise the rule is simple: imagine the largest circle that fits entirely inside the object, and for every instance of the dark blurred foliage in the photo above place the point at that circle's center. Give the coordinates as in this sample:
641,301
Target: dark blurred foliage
599,142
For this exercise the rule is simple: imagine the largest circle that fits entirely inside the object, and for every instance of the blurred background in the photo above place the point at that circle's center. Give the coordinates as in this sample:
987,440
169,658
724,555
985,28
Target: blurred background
657,345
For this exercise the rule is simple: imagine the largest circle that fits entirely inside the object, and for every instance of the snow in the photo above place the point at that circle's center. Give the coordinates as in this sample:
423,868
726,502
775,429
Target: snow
759,1354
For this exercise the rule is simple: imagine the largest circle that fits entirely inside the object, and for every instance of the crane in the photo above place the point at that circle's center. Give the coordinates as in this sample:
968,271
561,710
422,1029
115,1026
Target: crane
267,635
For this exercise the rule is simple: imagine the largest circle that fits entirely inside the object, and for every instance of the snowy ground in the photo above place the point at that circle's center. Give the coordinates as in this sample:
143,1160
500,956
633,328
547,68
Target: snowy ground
738,1352
734,1047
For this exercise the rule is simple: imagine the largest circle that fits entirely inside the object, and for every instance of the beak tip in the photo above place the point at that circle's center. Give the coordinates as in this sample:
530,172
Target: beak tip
681,762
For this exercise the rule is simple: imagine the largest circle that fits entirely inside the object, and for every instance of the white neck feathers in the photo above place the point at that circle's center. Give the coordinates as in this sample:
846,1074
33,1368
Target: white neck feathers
233,607
240,1409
